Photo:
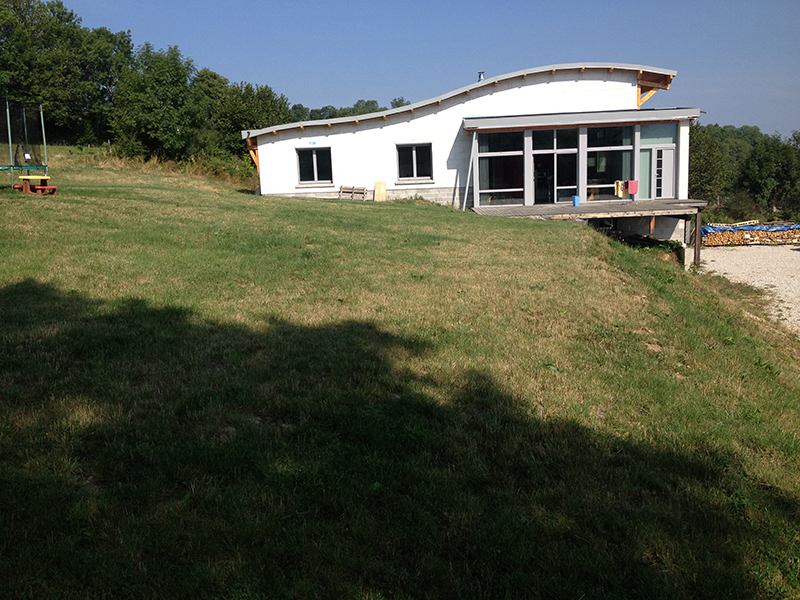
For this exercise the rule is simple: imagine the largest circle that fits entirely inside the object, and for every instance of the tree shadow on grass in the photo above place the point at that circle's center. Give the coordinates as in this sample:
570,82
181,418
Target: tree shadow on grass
145,453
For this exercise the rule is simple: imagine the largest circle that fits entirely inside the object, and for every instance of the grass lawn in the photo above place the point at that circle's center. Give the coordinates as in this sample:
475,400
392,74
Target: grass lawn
205,393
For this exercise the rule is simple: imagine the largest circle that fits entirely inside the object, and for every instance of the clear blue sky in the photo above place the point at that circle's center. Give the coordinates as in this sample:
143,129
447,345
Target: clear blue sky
737,60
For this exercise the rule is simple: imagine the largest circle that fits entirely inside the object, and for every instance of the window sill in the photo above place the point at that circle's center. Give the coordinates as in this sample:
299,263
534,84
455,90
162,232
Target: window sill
415,181
315,184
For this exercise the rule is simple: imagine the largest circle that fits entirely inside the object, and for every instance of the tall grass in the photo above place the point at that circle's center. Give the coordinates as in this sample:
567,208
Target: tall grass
210,394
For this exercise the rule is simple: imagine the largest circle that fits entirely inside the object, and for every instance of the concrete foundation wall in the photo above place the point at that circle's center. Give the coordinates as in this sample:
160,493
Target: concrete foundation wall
443,196
666,228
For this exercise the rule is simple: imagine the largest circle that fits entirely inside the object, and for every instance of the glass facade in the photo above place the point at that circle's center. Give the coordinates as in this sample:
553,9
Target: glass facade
501,168
500,142
499,198
543,139
567,170
645,172
501,172
555,164
600,137
539,166
605,167
659,133
567,138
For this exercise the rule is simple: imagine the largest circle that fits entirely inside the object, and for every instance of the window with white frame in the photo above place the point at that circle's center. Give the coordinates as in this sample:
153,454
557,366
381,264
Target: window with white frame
314,165
414,161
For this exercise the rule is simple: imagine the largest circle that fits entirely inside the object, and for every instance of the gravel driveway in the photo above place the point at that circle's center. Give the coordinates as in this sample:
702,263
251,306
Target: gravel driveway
773,268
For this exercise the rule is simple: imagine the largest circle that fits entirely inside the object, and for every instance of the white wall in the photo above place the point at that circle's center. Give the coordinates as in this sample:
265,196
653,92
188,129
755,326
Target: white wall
683,160
364,153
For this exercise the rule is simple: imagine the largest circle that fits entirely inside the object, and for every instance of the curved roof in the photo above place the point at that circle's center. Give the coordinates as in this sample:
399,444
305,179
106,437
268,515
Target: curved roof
650,79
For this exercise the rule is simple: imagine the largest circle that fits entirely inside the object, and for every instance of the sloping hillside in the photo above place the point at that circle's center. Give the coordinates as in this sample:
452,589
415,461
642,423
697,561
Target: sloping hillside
213,394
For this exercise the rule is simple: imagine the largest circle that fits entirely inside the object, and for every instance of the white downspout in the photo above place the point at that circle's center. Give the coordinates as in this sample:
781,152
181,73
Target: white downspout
469,172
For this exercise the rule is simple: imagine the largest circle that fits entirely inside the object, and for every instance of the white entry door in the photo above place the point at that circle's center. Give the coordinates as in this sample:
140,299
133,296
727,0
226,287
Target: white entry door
664,173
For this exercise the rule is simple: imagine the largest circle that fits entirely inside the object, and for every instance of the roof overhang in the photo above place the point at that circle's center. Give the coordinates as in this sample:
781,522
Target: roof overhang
649,80
648,83
582,119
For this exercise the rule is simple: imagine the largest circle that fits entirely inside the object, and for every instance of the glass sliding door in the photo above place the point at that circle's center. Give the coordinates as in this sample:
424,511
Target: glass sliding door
555,165
567,180
544,172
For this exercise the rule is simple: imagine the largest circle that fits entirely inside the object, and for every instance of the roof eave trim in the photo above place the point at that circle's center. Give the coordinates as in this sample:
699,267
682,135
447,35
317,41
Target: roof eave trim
579,119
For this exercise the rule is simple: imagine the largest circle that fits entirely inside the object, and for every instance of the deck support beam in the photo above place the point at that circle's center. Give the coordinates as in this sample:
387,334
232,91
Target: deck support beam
698,237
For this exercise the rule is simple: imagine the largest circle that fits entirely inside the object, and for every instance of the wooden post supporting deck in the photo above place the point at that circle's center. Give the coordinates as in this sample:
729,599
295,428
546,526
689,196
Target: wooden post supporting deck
698,237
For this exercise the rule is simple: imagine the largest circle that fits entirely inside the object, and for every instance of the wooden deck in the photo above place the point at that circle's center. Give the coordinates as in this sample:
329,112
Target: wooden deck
564,211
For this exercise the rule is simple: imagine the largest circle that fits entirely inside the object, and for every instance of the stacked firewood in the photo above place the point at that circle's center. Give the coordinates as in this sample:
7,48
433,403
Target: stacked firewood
746,237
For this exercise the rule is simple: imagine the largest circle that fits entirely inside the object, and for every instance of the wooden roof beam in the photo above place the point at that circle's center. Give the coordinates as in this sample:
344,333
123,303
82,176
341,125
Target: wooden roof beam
654,85
252,148
662,83
642,99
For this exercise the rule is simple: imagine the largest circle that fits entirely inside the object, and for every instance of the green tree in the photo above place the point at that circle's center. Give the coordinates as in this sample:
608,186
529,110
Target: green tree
399,101
736,144
363,107
209,94
46,55
709,172
795,140
300,112
771,174
326,112
156,113
247,106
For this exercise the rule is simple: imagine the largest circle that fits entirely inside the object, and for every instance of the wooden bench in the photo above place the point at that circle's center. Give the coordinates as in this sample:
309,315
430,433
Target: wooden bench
352,193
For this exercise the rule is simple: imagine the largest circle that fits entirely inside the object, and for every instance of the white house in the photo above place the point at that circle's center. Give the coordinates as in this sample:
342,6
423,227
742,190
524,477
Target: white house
532,137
